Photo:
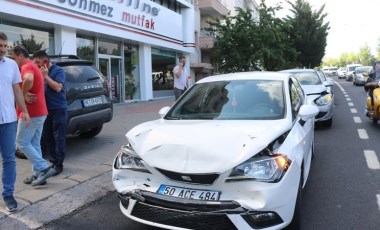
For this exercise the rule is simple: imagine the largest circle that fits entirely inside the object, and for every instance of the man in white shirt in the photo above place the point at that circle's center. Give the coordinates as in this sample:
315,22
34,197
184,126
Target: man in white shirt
10,92
181,77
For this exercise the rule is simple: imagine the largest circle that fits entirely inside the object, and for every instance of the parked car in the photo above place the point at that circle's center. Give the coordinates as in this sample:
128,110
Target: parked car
325,79
358,77
350,71
318,93
234,152
342,72
87,94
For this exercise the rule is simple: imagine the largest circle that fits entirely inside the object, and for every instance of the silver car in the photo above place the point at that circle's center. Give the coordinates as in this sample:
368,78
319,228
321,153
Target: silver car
318,91
358,78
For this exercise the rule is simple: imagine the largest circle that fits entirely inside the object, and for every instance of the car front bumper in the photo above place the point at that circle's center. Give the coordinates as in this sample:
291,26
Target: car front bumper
242,204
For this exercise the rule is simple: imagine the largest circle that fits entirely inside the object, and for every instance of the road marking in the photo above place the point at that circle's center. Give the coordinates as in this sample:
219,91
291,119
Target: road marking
346,95
378,200
362,134
350,104
341,88
348,99
357,120
371,158
354,111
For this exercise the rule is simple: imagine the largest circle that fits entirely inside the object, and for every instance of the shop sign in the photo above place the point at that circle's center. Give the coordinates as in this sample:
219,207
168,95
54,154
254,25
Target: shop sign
141,14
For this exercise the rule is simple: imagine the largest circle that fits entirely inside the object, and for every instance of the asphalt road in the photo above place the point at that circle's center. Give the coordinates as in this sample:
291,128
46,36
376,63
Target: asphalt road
343,189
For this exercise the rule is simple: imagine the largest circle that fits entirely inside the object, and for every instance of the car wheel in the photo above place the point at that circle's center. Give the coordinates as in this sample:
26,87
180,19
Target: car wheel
374,121
20,154
327,123
92,132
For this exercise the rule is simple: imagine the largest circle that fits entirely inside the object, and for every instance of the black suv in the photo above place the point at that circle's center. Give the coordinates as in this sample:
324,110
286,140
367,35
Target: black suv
87,93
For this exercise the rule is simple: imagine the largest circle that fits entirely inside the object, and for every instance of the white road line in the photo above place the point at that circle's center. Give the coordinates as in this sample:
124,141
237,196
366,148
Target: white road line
341,88
371,158
362,134
354,111
348,99
350,104
378,200
357,120
346,95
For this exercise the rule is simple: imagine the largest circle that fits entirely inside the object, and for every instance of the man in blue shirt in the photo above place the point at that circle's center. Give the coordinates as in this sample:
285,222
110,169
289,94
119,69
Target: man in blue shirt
54,132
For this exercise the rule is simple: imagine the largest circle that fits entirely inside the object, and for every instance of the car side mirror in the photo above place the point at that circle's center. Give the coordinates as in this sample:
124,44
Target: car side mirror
329,82
163,111
354,72
307,112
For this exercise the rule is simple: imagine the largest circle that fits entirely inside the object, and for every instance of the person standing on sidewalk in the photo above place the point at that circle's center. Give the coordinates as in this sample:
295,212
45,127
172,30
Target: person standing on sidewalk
181,77
28,139
10,92
54,132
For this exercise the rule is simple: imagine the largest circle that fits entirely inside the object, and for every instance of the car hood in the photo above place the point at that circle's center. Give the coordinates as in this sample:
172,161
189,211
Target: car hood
202,146
313,89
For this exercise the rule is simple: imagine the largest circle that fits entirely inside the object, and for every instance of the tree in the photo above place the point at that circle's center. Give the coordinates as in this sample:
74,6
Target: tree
30,44
243,44
364,55
309,33
235,46
378,49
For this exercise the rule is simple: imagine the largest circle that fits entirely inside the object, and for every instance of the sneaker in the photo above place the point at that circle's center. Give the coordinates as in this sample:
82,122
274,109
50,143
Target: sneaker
10,203
57,168
42,176
29,180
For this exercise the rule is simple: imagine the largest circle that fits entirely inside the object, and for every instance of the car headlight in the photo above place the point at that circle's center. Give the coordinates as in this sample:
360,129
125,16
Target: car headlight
128,159
324,99
266,168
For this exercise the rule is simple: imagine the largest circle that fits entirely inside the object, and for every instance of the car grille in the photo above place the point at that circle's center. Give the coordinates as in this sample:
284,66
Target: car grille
190,178
182,219
320,115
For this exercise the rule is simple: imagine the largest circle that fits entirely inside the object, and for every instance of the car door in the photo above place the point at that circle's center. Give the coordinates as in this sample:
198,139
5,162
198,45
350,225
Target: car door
303,134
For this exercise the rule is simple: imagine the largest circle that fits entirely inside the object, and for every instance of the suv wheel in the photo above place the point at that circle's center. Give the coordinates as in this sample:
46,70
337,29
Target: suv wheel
92,132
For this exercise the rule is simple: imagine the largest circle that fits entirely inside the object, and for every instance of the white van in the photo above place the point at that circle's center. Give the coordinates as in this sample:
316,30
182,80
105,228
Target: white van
350,71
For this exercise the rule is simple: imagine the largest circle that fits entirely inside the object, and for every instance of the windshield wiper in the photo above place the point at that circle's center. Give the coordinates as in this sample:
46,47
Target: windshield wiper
173,118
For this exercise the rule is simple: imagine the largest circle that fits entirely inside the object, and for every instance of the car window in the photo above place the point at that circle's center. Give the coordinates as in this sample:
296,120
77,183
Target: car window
308,78
363,69
296,97
235,100
81,73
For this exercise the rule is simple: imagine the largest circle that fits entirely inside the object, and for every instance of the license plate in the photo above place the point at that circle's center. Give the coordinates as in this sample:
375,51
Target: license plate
185,193
92,101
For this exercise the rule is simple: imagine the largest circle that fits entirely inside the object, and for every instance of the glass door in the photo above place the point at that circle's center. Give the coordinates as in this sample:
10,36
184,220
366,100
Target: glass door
110,67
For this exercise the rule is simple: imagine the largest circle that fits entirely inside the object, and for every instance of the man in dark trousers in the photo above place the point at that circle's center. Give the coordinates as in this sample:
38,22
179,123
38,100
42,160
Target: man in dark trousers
54,132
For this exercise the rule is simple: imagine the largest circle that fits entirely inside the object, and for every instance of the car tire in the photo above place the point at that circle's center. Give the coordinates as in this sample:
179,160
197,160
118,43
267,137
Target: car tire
327,123
374,121
20,154
92,132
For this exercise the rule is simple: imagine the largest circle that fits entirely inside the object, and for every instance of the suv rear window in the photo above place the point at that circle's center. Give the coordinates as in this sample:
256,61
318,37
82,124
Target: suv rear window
81,73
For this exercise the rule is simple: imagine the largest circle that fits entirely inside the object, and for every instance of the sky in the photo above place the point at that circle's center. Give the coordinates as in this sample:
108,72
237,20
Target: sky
353,23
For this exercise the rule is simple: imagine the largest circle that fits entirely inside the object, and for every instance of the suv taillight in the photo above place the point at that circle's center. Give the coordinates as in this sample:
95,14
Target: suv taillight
108,87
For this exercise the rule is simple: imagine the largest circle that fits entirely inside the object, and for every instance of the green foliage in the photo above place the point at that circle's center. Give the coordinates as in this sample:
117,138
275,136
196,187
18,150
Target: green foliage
244,43
378,49
308,31
30,44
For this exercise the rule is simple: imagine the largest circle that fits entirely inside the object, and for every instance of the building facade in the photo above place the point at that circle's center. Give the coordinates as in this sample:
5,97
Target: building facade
133,42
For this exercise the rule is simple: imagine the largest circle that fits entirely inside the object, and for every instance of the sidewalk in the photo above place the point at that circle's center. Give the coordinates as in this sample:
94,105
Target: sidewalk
87,170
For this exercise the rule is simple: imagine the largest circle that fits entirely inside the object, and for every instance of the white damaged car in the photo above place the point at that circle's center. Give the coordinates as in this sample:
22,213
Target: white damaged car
234,152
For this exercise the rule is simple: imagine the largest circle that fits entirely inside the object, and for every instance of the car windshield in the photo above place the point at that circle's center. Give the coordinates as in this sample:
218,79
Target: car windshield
307,78
362,69
232,100
352,68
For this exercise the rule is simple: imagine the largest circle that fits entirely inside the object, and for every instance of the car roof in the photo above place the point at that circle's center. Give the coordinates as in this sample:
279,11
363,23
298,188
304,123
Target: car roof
255,75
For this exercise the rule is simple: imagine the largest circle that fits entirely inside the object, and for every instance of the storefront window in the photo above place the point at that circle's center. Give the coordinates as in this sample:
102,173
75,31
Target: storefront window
86,48
32,38
109,47
163,62
132,76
